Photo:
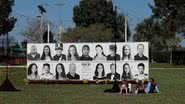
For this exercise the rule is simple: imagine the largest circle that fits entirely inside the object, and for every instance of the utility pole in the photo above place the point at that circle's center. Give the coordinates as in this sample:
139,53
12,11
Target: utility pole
126,29
48,32
60,28
42,10
115,37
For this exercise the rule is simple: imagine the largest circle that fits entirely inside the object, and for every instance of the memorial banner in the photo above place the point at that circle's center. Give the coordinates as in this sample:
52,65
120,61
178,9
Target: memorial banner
88,61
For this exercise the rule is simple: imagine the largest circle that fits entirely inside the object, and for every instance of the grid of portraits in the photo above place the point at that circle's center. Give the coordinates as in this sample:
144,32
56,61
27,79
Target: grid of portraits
87,61
85,71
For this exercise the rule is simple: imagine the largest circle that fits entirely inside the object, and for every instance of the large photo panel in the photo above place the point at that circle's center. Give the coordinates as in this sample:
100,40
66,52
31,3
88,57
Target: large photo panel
88,61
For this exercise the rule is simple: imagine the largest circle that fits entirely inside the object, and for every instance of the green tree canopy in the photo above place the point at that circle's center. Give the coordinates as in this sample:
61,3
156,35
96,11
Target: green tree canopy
151,30
6,21
90,12
93,11
171,13
93,33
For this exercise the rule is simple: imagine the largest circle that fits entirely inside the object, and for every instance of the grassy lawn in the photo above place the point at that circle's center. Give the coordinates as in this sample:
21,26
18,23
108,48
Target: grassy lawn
171,84
165,65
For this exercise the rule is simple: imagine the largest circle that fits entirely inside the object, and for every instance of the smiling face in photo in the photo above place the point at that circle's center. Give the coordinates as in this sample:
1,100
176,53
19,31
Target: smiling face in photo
58,52
72,50
46,50
140,49
127,50
34,69
99,50
140,69
72,68
59,68
33,49
46,69
85,51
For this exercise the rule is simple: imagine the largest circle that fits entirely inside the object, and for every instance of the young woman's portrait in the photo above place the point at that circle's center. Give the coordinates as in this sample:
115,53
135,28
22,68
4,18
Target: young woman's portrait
72,53
99,72
60,72
33,72
99,53
46,54
126,52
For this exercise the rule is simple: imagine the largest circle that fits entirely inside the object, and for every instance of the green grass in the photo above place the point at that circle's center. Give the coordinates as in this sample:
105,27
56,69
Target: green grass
171,83
165,65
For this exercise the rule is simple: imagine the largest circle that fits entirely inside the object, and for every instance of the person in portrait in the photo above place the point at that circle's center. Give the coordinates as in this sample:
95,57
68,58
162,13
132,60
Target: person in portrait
33,72
46,55
99,53
85,53
141,75
99,72
59,55
72,53
113,55
72,72
140,54
126,75
60,72
126,52
33,55
113,75
46,74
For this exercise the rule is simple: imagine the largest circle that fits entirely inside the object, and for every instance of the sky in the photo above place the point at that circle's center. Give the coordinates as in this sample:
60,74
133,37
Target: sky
25,10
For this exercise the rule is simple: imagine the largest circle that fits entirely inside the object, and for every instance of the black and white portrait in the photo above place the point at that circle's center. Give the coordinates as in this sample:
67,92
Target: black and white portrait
33,72
33,55
113,55
60,73
140,55
99,53
72,53
127,74
46,54
113,75
126,53
99,73
72,72
59,56
141,75
85,53
46,72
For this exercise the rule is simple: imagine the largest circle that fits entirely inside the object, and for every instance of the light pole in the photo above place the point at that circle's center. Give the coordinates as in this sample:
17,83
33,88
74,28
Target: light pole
42,11
7,85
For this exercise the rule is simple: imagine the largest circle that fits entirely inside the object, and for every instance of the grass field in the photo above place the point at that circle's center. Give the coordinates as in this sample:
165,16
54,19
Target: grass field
171,83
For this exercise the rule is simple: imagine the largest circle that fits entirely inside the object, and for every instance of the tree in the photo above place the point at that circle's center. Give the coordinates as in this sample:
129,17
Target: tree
33,30
93,11
171,14
151,30
90,12
93,33
7,22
